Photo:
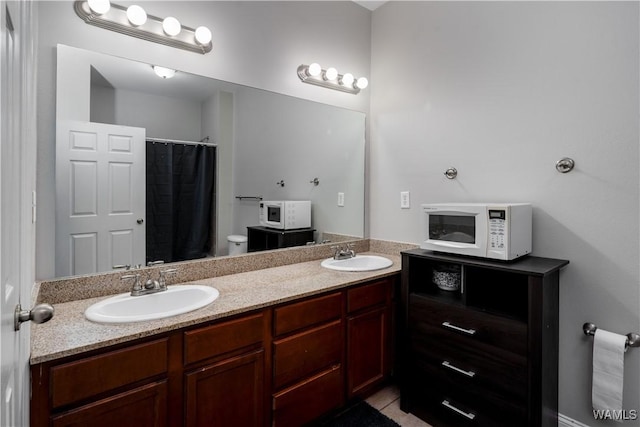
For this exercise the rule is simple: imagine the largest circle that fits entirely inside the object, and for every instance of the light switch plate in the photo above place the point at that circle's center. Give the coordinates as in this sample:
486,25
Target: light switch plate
340,199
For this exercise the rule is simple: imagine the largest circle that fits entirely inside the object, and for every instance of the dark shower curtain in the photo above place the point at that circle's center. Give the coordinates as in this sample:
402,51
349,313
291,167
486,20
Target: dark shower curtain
180,182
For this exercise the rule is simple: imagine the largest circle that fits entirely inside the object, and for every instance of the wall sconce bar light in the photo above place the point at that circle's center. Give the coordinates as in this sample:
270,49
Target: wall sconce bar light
329,78
134,21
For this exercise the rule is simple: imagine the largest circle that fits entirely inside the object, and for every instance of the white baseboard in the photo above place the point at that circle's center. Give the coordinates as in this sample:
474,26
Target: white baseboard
564,421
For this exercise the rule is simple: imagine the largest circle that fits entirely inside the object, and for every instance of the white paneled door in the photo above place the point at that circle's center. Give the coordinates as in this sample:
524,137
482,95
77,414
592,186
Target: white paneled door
100,197
17,211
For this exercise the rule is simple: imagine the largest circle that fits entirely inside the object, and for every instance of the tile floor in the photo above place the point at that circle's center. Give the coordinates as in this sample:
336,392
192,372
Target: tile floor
387,401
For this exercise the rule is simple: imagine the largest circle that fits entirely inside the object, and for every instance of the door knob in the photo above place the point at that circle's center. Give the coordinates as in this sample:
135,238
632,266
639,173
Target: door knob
140,220
41,313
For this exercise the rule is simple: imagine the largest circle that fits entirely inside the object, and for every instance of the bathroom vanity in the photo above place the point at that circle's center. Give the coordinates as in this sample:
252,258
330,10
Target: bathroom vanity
281,346
480,348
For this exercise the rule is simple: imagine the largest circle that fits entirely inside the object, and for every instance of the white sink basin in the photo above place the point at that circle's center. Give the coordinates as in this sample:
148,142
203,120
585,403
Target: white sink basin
358,263
124,308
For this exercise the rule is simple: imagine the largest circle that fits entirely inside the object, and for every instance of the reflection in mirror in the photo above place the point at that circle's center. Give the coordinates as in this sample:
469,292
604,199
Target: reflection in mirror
257,140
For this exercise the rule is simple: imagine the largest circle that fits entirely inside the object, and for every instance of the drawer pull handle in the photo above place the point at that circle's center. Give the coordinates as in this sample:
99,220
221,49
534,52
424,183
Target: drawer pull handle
470,374
469,415
458,328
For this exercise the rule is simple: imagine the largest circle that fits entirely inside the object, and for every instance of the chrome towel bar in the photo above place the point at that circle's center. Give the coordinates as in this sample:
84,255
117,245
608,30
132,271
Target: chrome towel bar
633,340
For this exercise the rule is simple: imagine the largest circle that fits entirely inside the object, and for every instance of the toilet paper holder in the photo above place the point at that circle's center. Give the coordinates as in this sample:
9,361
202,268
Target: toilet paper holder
633,340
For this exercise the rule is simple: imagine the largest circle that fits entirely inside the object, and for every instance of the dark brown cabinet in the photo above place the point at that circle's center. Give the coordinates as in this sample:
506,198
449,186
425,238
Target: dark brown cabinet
283,366
482,348
368,336
263,238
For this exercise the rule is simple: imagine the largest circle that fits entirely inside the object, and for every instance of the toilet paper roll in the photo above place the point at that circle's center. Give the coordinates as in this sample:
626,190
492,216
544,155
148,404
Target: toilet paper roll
608,370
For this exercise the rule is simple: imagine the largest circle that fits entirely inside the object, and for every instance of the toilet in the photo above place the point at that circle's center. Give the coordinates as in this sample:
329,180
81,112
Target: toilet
237,244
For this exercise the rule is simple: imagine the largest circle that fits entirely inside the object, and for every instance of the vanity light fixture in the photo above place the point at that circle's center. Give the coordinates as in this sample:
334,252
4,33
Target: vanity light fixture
134,21
330,78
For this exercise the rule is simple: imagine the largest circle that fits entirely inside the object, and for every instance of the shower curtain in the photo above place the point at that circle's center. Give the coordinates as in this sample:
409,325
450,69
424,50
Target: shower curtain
180,185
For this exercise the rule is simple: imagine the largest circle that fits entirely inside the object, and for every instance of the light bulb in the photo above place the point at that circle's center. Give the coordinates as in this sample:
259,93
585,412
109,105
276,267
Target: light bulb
362,83
99,7
314,69
136,15
331,74
165,73
203,35
347,80
171,26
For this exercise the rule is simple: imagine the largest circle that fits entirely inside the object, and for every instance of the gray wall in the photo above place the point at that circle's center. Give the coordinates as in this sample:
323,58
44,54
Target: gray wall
501,91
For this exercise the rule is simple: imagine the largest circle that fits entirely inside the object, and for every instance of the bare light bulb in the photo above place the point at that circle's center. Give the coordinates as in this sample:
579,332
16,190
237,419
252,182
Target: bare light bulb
171,26
347,80
362,83
314,69
203,35
331,74
99,7
136,15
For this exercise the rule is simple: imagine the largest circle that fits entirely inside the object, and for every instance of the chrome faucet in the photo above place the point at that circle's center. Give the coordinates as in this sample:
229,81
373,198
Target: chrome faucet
150,286
344,252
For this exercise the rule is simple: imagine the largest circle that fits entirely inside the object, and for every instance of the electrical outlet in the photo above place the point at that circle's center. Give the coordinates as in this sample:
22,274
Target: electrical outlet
341,199
405,202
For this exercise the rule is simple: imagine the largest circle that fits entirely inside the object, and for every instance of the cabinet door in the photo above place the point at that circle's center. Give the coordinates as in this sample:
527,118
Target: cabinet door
143,406
228,393
368,343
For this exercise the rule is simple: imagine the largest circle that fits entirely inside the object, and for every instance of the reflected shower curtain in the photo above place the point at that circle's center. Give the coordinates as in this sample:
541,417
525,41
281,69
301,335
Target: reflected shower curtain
180,183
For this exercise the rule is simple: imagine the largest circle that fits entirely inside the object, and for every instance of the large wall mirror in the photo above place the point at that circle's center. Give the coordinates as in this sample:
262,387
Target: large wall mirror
242,143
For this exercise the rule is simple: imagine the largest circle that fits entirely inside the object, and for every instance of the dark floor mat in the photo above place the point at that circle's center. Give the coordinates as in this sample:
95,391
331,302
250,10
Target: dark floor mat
360,415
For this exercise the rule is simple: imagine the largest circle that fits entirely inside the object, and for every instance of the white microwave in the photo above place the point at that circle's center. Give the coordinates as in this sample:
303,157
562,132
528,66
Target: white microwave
499,231
285,214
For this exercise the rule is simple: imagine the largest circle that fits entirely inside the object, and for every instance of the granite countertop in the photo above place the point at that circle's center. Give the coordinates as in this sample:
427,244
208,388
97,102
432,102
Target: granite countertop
69,332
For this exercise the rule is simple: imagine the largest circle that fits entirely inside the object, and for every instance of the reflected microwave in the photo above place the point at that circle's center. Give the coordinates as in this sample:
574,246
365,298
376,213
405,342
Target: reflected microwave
499,231
285,214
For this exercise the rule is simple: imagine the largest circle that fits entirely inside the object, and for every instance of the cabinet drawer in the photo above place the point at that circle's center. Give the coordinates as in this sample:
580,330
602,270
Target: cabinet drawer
469,366
143,406
306,401
307,313
448,320
368,295
204,343
300,355
443,403
85,378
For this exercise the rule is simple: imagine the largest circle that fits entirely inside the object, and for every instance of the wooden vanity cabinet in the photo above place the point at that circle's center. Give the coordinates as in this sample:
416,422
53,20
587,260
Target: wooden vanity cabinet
224,373
369,336
486,353
308,359
282,366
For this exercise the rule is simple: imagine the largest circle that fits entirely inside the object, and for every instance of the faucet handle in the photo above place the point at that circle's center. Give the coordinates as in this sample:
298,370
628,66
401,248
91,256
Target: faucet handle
163,276
152,263
137,285
121,266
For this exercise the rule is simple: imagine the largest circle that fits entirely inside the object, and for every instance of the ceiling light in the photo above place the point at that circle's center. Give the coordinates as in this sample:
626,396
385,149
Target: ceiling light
136,15
171,26
165,73
203,35
99,7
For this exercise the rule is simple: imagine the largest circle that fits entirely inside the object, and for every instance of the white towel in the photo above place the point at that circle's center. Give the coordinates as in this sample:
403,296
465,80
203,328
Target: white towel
608,370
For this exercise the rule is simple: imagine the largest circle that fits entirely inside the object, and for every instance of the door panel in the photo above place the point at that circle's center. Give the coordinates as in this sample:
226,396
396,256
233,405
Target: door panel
100,197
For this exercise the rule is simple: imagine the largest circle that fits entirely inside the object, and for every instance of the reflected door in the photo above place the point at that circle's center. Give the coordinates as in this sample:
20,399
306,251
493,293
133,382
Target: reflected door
100,197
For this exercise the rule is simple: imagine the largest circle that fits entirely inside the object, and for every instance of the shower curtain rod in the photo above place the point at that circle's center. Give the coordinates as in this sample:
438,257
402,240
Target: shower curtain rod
177,141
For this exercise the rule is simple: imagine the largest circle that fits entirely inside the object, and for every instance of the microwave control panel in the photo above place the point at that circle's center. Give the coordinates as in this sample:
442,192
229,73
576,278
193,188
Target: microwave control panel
497,228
